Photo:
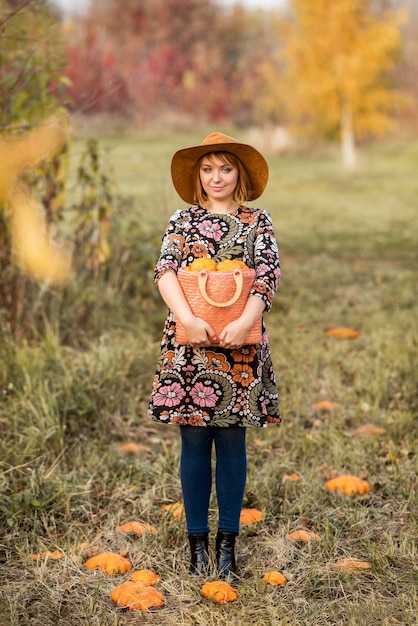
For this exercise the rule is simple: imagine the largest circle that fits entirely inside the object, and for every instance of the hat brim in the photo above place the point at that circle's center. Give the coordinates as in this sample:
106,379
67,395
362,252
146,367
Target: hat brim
184,162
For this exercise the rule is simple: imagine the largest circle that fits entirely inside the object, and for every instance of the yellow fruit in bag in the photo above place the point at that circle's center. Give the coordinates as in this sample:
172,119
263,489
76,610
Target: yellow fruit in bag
204,263
229,265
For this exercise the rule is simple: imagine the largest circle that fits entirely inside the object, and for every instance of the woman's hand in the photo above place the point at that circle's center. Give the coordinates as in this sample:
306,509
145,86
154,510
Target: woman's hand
235,333
199,333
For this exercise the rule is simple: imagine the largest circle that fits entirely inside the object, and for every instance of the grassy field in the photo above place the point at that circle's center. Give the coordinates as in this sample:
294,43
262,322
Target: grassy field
349,256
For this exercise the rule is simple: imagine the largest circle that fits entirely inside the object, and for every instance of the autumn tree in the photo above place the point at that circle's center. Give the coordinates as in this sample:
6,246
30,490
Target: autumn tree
32,81
338,58
156,56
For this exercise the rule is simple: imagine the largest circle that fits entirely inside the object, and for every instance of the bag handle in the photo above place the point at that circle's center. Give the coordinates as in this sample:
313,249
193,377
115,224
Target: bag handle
202,279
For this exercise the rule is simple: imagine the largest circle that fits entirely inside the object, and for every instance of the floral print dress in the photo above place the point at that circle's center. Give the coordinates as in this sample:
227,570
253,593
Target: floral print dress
213,386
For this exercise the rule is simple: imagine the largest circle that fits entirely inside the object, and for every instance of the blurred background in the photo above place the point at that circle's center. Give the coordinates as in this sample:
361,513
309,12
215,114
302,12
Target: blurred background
96,95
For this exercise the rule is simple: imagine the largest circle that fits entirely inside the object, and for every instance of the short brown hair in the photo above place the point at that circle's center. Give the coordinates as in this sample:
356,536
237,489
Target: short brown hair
241,191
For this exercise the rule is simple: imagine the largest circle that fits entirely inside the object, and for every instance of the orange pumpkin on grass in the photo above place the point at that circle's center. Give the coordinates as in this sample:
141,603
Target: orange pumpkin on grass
349,485
109,562
137,596
146,576
274,578
342,332
303,535
139,528
250,516
219,592
351,565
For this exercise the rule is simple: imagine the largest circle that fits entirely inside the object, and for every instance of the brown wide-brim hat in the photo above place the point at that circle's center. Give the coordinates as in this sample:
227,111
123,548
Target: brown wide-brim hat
184,162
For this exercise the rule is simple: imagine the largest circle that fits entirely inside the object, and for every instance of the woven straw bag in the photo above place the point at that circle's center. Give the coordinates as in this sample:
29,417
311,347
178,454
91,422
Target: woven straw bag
218,298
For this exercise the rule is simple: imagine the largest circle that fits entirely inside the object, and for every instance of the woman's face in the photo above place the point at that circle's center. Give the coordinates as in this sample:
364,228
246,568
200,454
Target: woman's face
218,179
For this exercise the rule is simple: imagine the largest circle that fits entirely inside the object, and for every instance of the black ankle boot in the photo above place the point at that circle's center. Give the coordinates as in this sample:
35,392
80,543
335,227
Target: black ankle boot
225,555
199,560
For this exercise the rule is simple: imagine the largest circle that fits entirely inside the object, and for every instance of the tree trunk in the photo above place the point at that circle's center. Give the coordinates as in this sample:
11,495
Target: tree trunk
348,148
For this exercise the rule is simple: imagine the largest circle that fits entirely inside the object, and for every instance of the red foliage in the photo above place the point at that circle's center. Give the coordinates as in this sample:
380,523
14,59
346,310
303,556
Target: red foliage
94,70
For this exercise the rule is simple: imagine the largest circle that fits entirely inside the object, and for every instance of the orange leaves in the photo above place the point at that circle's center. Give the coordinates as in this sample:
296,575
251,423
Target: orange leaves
250,516
136,596
349,485
176,510
139,528
219,592
303,535
109,562
274,578
342,332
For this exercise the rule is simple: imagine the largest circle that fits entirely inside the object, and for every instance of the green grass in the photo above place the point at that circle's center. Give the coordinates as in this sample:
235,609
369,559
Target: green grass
349,255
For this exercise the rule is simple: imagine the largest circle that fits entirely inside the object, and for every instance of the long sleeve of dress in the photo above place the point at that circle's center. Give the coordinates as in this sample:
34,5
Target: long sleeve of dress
265,254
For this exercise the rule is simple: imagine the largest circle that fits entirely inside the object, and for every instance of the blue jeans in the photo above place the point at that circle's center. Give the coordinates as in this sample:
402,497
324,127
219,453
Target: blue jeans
196,475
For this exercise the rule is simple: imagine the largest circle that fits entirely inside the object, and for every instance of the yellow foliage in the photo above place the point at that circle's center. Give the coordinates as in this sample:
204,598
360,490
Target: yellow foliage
32,248
337,56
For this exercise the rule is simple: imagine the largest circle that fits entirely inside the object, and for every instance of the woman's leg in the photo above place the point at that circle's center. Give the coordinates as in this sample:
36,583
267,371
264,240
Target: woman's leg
231,475
196,476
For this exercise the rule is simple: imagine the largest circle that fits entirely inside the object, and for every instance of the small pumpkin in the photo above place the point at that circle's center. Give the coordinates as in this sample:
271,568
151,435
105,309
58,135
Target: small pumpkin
109,562
84,546
326,405
55,555
291,477
303,535
229,265
146,576
350,564
250,516
176,510
349,485
130,447
274,578
370,430
219,592
342,332
136,596
202,263
139,528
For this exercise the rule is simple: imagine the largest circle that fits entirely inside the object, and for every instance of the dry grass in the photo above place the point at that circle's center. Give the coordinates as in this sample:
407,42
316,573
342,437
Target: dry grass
65,412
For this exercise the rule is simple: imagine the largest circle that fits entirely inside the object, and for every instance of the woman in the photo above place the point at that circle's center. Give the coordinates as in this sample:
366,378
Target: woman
215,387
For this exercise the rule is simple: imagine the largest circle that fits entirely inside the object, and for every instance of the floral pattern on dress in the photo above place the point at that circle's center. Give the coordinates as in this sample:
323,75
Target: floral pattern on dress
213,386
